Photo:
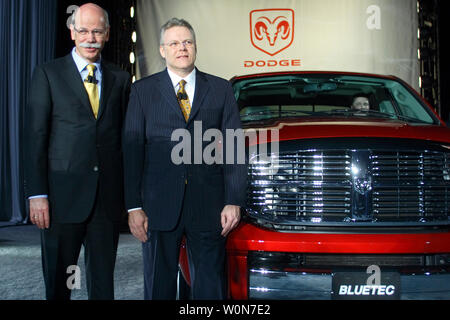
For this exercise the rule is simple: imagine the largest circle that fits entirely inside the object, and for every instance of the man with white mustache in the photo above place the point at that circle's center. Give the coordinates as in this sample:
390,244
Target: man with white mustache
90,45
73,158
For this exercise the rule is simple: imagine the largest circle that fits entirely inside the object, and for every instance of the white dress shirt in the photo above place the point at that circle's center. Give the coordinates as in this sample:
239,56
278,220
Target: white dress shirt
190,83
82,69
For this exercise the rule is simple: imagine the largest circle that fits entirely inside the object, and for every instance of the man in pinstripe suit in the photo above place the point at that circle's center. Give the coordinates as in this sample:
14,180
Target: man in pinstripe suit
167,201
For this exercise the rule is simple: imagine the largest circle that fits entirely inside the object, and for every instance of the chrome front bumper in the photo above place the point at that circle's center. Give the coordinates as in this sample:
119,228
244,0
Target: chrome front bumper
299,276
282,285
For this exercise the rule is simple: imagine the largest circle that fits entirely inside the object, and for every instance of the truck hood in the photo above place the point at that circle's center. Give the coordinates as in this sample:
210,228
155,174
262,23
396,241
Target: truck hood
294,129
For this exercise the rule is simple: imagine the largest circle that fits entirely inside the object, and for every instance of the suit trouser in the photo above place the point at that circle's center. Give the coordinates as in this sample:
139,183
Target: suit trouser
61,245
206,254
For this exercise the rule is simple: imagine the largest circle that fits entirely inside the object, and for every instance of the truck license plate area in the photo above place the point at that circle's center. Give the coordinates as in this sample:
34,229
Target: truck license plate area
360,285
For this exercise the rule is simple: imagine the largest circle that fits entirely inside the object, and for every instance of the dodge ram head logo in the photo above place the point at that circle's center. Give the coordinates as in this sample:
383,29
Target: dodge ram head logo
272,30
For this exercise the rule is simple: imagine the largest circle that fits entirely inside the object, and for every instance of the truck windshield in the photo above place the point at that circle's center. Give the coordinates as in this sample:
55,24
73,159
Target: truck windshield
329,95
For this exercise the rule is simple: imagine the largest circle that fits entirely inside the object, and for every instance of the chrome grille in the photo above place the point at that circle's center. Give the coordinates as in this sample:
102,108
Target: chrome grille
411,184
319,186
306,183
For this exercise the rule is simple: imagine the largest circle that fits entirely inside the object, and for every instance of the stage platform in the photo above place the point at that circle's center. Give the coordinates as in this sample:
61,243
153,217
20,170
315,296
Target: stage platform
21,269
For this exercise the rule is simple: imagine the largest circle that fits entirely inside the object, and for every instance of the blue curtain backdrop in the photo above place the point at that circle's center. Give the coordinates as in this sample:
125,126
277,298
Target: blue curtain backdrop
27,38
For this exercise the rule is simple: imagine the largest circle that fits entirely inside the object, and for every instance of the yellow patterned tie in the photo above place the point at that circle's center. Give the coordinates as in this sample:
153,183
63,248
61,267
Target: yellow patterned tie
90,83
183,100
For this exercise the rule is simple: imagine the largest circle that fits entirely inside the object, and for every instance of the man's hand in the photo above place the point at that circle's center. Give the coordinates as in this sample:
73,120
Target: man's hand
230,217
138,222
39,212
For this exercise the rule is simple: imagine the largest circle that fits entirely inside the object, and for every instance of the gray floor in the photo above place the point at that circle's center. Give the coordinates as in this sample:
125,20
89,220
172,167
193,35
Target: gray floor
21,272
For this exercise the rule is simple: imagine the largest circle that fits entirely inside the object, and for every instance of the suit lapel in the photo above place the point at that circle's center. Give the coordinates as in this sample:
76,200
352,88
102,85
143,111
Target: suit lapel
201,89
108,80
73,79
168,92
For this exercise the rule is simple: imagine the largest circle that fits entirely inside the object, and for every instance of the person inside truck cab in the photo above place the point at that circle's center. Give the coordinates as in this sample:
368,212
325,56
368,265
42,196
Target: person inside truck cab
360,102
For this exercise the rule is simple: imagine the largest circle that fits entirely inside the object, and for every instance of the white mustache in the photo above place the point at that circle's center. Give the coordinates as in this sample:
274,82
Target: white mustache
90,45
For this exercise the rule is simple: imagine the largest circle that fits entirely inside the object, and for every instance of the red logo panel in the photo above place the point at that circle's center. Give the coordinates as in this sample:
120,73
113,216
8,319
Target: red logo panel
272,30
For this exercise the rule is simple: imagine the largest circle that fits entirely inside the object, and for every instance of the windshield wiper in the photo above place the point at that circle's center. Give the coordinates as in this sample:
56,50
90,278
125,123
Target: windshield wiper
363,113
274,113
377,113
409,119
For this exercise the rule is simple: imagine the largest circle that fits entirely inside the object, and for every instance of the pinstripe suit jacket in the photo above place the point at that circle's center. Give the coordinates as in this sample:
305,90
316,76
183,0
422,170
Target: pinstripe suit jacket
152,180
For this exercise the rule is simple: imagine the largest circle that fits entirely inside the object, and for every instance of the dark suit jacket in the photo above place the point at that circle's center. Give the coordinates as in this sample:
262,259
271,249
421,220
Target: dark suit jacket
152,180
70,155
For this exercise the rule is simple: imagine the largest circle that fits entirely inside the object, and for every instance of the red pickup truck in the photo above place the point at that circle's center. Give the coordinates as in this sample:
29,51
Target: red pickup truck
355,201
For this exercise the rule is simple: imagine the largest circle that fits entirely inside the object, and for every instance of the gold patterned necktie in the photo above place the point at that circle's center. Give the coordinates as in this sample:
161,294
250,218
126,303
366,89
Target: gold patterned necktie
183,100
90,83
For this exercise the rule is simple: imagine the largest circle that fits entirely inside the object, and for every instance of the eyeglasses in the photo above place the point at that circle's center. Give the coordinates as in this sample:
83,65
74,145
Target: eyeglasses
178,44
363,104
96,32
